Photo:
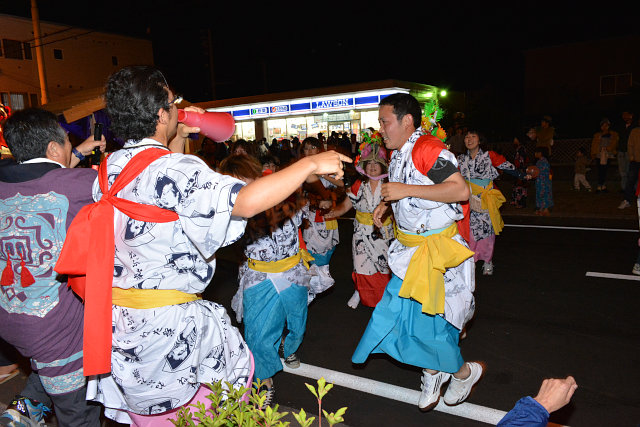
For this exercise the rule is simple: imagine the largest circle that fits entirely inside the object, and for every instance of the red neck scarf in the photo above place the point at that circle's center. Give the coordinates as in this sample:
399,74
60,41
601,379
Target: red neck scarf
88,252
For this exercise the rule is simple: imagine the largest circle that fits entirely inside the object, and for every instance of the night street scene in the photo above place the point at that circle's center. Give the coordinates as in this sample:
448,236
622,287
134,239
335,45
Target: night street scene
336,213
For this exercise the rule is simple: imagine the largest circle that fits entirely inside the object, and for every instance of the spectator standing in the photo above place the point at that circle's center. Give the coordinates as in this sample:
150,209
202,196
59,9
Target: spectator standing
544,189
623,156
580,171
545,134
603,147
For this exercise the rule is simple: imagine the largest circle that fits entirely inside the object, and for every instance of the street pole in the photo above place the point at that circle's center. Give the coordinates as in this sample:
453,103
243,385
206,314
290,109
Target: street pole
44,97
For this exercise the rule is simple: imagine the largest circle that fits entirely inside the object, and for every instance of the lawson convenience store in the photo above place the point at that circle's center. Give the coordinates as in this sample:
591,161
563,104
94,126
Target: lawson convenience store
307,113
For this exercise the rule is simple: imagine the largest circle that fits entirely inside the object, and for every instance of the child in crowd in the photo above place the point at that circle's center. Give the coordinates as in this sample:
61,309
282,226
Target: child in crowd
321,236
272,293
370,244
544,189
580,171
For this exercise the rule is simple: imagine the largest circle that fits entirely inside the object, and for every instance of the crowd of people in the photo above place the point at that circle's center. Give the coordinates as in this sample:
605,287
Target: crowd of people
136,243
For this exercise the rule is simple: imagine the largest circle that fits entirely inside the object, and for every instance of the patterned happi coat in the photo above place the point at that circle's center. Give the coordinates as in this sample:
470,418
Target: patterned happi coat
160,356
415,215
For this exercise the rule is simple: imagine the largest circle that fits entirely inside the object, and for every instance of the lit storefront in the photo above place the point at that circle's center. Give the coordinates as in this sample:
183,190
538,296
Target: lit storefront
291,114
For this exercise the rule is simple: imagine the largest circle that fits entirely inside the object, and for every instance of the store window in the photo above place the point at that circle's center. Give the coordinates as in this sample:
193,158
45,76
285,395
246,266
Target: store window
369,119
618,84
245,130
276,128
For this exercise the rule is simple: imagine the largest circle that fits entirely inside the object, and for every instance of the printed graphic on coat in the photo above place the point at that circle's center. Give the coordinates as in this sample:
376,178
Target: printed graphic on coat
32,229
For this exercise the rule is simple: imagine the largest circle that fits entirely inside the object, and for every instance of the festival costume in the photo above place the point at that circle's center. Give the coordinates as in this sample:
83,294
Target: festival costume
480,173
322,236
430,296
166,341
272,292
370,244
40,315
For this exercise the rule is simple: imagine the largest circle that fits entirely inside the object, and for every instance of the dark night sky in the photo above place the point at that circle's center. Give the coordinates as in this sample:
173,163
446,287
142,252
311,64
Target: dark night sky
266,48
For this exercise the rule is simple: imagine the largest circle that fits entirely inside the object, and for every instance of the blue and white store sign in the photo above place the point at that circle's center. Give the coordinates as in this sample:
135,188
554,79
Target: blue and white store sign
310,105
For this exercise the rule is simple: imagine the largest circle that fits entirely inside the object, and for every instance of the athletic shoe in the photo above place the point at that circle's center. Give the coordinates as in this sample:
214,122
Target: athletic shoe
24,412
624,204
459,390
269,394
487,268
636,269
430,387
292,361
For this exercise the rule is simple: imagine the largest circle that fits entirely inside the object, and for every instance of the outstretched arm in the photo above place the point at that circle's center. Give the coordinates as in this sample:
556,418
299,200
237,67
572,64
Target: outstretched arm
270,190
451,190
339,210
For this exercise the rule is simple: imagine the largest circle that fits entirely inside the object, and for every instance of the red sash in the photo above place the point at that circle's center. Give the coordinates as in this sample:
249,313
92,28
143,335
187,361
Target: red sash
88,252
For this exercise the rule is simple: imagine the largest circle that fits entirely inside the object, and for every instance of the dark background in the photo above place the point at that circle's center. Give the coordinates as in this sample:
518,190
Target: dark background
475,47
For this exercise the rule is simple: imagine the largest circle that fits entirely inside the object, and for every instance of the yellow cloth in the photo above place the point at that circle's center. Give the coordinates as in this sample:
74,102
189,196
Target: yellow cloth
150,298
491,199
366,218
281,265
424,280
331,224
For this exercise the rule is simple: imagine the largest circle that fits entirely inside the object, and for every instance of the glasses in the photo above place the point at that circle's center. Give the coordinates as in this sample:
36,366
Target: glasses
176,100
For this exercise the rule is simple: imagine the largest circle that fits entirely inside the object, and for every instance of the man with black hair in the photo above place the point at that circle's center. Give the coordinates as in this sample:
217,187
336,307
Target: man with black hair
430,295
40,316
188,210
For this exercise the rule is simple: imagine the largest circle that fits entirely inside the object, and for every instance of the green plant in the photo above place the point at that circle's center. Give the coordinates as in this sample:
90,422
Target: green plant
229,409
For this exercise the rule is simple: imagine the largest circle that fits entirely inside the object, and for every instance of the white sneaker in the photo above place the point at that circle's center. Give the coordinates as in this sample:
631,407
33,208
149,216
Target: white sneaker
636,269
354,300
431,385
459,390
624,204
487,268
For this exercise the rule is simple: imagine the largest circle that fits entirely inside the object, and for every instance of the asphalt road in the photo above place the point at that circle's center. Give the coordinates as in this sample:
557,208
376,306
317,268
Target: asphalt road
538,316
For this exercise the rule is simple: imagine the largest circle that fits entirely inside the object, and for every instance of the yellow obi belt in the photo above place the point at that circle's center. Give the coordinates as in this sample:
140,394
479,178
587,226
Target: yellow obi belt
366,218
424,280
281,265
491,199
150,298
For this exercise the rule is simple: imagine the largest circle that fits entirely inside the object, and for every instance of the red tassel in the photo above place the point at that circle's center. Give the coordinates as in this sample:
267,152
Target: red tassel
7,273
26,278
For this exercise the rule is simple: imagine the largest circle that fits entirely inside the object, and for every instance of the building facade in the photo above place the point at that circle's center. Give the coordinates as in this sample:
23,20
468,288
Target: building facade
75,59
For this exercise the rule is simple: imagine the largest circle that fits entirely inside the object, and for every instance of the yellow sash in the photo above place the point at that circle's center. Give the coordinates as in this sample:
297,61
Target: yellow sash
331,224
366,218
491,199
150,298
281,265
424,280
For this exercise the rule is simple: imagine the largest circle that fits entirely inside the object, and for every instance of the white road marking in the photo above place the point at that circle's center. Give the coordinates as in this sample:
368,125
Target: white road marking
613,276
624,230
390,391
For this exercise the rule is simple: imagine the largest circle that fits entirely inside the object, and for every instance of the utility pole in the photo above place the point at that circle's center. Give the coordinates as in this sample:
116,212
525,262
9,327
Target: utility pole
44,96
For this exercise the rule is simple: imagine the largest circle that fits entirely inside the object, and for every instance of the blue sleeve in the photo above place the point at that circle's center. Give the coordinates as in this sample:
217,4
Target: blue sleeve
527,412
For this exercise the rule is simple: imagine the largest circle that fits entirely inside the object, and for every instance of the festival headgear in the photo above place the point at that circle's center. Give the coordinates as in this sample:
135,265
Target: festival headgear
430,118
217,126
372,149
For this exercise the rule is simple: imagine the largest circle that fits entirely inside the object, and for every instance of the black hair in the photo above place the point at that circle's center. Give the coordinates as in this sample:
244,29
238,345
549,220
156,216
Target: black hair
542,150
29,131
315,142
133,96
481,138
404,104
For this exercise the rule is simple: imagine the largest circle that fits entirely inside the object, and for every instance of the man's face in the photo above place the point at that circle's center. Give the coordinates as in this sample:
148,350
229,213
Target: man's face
627,117
393,131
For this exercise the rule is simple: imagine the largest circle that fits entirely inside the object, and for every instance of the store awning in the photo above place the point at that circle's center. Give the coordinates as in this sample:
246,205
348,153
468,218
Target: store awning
78,104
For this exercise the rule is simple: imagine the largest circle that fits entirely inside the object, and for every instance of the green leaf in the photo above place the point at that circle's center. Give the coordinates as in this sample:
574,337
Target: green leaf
312,389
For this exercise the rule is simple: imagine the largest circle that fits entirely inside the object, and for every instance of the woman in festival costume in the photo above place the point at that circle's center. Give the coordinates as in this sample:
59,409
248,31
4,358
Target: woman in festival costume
370,244
273,281
321,236
479,168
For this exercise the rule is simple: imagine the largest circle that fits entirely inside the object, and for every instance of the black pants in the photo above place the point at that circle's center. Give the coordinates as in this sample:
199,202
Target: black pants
71,409
632,181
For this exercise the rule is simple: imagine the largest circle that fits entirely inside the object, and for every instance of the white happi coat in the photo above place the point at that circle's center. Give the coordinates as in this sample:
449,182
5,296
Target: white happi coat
370,249
161,355
414,215
280,244
481,167
319,240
